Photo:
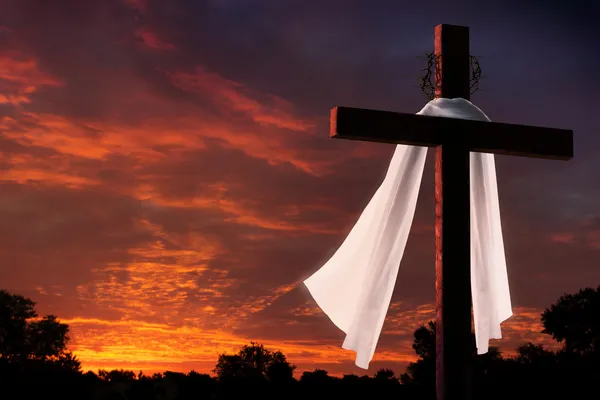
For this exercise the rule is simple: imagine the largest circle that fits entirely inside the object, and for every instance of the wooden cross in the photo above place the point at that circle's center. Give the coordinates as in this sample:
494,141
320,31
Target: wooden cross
452,210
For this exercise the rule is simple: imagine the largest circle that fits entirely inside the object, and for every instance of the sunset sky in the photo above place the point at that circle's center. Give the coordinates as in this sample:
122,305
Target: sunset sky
167,180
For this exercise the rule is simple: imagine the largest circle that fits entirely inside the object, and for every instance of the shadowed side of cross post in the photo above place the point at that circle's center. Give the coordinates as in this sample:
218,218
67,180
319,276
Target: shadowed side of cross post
452,226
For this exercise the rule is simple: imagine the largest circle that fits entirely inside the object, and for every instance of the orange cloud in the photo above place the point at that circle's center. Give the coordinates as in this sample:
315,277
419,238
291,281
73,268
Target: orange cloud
238,211
178,126
35,176
151,286
14,100
17,67
20,77
99,139
233,96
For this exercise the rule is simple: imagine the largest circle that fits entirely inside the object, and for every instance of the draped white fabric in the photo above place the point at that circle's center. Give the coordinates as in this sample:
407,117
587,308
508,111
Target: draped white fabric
355,286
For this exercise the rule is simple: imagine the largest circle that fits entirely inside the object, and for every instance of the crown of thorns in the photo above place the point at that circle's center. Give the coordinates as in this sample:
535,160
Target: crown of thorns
428,86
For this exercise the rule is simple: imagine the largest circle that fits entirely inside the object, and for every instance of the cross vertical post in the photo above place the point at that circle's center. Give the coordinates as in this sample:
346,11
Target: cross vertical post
452,226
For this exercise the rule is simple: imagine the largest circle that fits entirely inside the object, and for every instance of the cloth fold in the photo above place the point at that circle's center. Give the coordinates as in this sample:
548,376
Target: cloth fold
354,288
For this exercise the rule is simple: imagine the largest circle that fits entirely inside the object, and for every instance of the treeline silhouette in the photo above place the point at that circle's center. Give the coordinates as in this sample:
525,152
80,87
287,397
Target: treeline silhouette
36,364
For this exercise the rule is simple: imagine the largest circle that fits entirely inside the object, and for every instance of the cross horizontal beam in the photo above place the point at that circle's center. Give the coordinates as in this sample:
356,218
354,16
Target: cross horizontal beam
478,136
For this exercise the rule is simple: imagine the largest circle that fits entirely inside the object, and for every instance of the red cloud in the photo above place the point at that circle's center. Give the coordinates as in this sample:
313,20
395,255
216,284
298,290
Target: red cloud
152,41
566,237
20,76
234,96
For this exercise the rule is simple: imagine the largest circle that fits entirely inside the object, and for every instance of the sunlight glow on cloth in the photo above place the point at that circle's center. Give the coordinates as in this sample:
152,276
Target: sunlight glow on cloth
355,286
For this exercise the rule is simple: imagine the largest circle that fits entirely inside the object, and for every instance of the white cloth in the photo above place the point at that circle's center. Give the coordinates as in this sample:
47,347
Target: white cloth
355,286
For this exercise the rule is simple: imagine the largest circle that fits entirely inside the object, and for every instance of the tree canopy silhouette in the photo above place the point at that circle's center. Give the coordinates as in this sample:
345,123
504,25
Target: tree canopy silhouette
254,362
575,320
117,375
24,336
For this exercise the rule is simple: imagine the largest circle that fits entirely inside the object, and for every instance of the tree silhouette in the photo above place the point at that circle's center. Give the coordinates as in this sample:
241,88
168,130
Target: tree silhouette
15,312
420,375
24,337
318,376
33,352
575,320
424,340
253,369
230,366
116,375
319,385
195,384
422,372
47,338
385,375
279,370
254,362
529,353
